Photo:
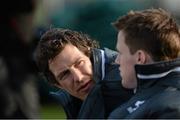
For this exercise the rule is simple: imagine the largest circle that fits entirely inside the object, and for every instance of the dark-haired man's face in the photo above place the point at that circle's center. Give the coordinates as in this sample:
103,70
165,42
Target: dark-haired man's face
73,71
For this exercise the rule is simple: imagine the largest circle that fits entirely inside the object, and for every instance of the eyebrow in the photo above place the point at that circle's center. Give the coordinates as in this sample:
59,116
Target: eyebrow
75,61
60,74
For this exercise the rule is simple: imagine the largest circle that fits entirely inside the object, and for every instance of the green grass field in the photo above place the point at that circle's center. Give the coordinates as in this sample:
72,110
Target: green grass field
51,111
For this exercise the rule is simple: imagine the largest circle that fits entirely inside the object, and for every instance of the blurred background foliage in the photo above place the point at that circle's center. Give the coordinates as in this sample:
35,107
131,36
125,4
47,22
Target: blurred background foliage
94,17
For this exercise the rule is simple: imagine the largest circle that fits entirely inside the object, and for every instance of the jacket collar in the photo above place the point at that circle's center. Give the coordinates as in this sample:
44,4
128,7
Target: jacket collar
149,74
98,61
100,58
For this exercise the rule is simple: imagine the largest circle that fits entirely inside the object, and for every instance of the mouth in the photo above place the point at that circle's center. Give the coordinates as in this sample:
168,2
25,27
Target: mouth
85,87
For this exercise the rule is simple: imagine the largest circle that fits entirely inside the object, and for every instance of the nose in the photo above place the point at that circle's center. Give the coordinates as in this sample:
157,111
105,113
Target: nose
77,74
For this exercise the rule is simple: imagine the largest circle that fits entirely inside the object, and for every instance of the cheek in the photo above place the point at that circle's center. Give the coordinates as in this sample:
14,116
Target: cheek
66,84
129,72
87,69
127,66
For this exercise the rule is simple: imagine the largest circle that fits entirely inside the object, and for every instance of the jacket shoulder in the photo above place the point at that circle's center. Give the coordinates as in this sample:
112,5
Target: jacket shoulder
169,108
70,104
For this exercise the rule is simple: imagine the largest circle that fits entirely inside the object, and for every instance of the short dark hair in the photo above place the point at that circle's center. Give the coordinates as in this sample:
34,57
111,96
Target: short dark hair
53,41
152,30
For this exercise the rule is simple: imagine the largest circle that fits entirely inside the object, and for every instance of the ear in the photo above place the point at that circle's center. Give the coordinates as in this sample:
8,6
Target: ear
141,57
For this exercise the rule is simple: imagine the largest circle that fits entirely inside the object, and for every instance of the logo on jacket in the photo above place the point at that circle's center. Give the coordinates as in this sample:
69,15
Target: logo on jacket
136,106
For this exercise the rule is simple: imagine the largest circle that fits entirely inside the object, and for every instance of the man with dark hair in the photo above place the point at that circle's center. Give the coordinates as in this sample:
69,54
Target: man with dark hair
87,76
149,46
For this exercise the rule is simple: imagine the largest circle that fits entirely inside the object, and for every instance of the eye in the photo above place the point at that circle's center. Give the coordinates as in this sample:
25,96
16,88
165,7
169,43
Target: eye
79,63
63,75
